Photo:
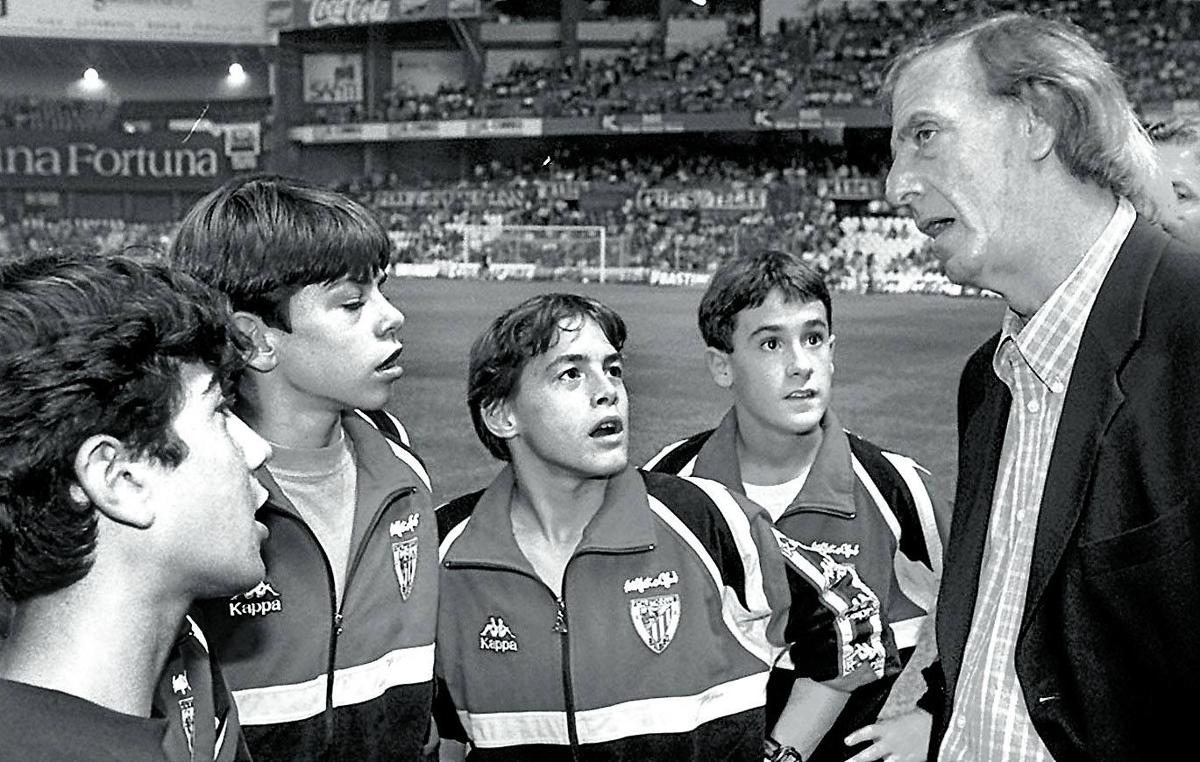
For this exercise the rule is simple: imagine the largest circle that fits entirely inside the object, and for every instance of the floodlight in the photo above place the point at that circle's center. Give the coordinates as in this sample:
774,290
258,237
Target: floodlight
237,73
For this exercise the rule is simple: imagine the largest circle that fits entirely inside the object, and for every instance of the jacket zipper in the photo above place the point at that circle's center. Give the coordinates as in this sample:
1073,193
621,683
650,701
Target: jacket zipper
561,626
327,724
339,611
335,628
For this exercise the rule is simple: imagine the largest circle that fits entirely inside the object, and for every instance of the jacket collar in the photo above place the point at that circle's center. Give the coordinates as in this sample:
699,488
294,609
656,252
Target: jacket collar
378,473
830,483
624,523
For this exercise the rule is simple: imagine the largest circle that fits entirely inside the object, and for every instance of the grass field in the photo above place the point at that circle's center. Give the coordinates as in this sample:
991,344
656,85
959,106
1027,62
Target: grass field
897,364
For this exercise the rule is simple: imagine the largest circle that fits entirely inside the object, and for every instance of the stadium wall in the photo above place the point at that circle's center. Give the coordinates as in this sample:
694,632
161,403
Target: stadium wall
61,80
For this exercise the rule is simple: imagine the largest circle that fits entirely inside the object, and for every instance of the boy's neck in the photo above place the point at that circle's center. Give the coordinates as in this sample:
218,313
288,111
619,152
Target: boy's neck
556,506
105,647
286,425
768,456
549,513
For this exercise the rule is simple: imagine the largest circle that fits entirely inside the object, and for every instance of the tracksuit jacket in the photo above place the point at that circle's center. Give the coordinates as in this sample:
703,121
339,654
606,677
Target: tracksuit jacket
193,718
202,718
864,506
673,609
317,680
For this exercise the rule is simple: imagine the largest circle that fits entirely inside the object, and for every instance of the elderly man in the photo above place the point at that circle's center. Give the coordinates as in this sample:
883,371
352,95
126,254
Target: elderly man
1071,591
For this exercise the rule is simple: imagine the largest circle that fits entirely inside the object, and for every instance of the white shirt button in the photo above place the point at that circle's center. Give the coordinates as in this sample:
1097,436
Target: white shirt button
1032,406
1021,515
1056,386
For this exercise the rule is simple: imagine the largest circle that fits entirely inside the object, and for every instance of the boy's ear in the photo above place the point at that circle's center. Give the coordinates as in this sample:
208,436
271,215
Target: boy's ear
499,419
116,484
719,367
262,355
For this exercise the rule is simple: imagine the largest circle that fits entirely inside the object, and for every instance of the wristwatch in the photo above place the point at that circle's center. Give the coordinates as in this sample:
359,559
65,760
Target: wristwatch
773,751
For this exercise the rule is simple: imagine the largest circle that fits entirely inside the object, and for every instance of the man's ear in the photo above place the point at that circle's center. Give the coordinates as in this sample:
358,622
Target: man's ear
261,338
1040,134
719,367
832,346
499,419
116,484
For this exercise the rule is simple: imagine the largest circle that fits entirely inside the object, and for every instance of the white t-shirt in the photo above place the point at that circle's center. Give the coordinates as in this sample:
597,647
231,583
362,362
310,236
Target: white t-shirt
776,497
322,484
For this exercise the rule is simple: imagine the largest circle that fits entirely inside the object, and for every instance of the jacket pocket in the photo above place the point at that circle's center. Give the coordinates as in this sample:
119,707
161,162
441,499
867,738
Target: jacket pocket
1171,532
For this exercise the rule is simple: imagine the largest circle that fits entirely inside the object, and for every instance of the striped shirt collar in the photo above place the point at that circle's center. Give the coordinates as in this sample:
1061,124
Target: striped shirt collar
1048,341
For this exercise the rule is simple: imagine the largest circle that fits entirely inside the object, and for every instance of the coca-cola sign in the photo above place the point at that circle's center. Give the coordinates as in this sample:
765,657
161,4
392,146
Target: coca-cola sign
348,12
315,14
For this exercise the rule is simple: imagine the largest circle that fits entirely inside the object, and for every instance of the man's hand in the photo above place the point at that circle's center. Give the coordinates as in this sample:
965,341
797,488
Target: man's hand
903,738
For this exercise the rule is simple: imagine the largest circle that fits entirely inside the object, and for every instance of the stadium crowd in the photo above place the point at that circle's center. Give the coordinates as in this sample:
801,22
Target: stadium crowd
860,246
36,234
836,59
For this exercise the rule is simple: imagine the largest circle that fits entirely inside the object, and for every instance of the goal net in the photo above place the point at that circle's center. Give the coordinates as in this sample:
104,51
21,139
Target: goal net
577,252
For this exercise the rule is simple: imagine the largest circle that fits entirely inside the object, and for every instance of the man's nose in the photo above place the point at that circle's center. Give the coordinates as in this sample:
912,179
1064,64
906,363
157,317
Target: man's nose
902,186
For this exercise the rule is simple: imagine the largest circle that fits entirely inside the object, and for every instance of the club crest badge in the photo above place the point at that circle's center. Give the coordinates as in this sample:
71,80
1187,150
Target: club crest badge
655,619
404,552
182,687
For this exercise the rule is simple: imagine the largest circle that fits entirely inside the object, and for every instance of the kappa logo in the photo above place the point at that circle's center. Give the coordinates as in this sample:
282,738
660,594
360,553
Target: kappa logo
497,636
261,600
664,580
655,619
180,684
845,549
261,590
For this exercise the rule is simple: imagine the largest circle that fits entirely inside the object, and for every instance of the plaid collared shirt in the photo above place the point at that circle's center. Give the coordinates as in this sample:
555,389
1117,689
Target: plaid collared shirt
990,720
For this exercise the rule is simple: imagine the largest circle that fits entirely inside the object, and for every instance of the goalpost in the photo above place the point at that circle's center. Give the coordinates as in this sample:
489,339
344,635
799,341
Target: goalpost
581,248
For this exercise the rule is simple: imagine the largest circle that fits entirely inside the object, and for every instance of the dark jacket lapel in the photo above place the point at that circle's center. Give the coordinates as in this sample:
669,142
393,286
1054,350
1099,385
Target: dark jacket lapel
1094,395
983,405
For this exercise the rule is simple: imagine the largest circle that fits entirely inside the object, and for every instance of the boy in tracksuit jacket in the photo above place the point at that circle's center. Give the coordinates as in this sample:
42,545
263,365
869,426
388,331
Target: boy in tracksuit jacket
593,611
127,491
766,320
331,655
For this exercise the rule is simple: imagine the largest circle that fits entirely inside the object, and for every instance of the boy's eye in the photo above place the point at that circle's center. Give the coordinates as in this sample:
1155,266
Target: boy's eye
1183,192
815,339
616,371
770,344
357,304
570,374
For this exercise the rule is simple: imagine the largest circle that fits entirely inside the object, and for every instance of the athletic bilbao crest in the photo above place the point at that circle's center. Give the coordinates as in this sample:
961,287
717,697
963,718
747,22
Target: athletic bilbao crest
655,619
182,687
404,552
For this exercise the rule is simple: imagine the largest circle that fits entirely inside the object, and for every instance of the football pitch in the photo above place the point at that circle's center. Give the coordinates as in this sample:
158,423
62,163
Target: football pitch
897,360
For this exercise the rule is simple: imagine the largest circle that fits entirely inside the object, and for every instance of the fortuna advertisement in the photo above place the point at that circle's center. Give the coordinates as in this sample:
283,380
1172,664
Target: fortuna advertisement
67,161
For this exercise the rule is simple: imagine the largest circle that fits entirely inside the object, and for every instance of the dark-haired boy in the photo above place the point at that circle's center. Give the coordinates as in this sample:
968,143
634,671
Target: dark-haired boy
767,323
127,491
331,656
591,611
